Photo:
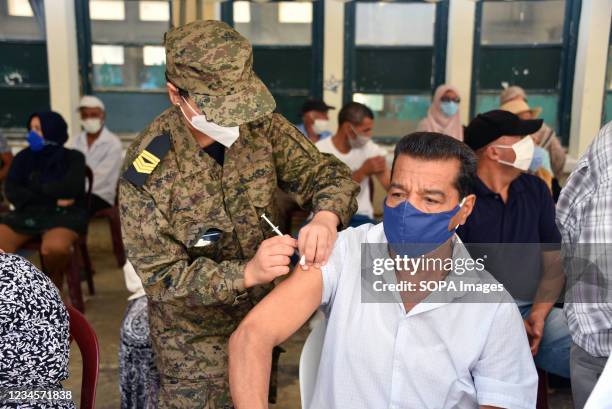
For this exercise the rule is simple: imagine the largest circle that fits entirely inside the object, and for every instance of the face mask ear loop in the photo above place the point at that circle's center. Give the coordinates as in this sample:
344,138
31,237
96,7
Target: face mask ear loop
460,206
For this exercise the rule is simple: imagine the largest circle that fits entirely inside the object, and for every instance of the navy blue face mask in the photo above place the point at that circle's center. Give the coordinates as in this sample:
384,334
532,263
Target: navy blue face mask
412,233
36,142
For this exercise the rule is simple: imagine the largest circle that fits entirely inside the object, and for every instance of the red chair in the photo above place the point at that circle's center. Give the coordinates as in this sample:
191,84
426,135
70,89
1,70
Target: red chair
85,336
542,402
80,253
112,215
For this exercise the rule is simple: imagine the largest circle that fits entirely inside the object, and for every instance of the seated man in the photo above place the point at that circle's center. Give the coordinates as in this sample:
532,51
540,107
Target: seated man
410,353
315,121
102,150
352,144
515,214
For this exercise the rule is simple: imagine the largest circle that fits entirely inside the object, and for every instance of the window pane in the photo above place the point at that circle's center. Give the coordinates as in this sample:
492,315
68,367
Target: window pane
20,8
395,115
263,26
107,54
522,22
154,11
242,12
107,9
387,24
154,55
129,67
295,12
548,102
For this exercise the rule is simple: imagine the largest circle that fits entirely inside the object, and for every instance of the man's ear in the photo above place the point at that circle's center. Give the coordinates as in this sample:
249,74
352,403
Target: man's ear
468,206
173,93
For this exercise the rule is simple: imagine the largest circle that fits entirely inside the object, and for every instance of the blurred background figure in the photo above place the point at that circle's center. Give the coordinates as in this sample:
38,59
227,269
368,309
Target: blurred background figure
46,185
353,145
315,120
443,115
102,150
514,99
33,333
5,162
138,375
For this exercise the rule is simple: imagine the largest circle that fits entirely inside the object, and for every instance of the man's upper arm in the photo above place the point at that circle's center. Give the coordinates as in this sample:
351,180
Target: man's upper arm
505,375
282,312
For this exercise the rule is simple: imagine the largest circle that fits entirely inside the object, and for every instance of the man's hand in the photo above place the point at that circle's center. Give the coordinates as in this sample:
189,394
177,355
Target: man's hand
271,260
65,202
374,165
534,325
316,239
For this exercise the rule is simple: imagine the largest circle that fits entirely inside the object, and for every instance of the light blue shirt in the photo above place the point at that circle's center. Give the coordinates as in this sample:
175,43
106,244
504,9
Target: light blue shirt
438,355
302,129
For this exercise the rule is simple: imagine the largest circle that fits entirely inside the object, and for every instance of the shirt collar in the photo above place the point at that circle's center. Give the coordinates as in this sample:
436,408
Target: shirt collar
517,186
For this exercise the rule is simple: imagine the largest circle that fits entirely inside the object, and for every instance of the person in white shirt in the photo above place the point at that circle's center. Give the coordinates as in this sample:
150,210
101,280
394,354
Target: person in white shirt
102,150
457,349
352,144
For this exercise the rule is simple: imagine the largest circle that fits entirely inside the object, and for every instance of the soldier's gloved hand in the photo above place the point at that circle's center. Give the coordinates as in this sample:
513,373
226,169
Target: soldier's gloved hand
271,260
316,239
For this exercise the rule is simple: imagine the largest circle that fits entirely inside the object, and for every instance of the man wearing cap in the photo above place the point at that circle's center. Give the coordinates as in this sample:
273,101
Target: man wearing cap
514,99
513,224
196,183
102,150
315,121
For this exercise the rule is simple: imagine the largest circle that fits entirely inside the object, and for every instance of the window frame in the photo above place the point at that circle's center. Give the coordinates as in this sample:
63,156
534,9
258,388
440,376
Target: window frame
439,46
568,46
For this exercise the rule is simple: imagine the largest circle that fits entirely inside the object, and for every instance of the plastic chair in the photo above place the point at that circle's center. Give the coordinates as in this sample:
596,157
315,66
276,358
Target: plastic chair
85,336
309,362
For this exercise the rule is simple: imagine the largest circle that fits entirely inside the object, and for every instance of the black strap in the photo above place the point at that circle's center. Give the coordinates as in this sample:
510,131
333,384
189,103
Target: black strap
216,151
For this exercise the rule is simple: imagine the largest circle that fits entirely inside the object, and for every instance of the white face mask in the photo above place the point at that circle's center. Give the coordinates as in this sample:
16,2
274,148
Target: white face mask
226,136
320,125
523,151
359,140
91,125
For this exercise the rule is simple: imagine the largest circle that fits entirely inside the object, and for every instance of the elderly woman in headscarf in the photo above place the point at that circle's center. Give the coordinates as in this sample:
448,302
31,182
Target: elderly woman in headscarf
46,186
514,99
444,115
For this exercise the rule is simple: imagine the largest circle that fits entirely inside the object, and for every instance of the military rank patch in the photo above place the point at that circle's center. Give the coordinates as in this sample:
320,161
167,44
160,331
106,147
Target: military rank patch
147,160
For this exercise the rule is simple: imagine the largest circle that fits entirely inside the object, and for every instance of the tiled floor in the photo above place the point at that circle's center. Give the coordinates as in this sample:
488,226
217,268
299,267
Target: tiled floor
105,311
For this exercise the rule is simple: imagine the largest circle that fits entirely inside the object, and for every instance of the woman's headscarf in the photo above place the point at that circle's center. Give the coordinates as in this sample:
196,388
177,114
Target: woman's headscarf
437,121
49,162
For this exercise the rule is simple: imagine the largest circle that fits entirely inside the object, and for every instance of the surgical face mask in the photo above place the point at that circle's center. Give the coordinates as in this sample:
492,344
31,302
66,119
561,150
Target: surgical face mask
91,125
359,140
36,142
541,159
412,233
449,108
523,151
226,136
320,125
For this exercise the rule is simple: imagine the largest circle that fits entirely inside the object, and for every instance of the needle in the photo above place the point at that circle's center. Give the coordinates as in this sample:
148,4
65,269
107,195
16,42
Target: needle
277,231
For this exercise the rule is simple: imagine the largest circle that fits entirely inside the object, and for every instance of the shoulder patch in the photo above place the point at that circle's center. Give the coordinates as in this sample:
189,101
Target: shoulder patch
146,162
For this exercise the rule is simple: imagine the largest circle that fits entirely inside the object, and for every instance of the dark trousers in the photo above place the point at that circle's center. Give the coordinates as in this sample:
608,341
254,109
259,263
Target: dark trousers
585,371
97,204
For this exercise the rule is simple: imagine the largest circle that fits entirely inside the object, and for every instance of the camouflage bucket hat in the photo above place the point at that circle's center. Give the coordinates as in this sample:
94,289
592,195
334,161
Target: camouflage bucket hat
214,63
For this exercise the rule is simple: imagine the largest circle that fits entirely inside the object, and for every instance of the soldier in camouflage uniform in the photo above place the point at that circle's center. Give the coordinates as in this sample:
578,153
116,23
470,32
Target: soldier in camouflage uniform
191,205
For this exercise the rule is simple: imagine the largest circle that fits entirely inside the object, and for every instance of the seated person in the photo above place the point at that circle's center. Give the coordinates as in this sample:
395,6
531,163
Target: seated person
315,121
515,214
102,150
409,353
46,185
443,115
5,162
33,333
352,144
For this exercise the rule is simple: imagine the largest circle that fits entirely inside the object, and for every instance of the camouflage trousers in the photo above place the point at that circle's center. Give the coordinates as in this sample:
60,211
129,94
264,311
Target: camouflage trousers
211,393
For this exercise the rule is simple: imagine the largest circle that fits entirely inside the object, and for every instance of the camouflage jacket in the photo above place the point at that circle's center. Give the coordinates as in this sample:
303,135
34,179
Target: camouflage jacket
196,294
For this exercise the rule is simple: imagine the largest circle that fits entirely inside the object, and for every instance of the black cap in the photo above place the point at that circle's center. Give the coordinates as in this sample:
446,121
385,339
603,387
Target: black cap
487,127
315,105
